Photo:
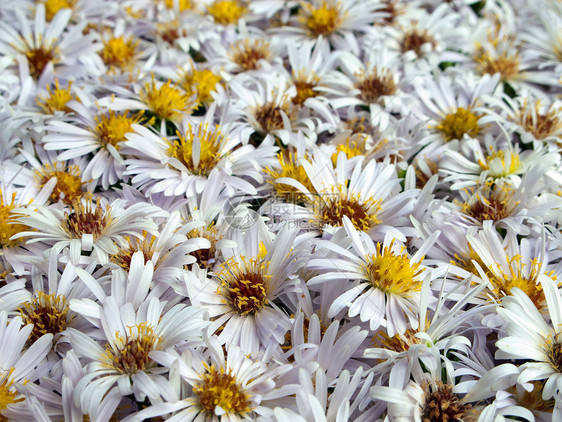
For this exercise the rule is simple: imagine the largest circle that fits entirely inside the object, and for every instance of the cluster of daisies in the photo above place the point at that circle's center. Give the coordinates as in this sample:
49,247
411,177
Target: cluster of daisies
280,210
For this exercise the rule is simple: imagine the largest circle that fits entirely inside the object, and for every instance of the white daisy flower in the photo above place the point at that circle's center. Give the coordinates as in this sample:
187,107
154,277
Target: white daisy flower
122,360
449,106
170,252
340,22
88,226
16,254
240,297
496,162
265,102
17,365
385,281
532,337
368,195
323,401
218,385
423,38
248,51
534,120
182,166
92,131
47,48
436,394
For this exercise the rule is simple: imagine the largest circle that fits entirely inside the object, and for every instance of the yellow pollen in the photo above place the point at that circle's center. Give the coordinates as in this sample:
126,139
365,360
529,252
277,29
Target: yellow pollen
398,343
52,7
509,165
202,82
210,144
57,99
392,272
167,102
8,226
248,53
290,168
206,257
305,89
269,118
227,12
220,388
86,218
333,206
131,352
529,284
324,20
119,52
7,393
507,65
47,313
489,203
244,287
376,84
351,148
182,4
541,125
533,400
144,245
69,183
112,128
457,124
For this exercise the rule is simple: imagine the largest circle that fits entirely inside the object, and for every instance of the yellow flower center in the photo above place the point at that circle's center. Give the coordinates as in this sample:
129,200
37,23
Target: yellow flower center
7,393
305,89
324,20
69,183
119,52
112,128
507,65
182,4
8,226
226,12
541,125
86,218
52,7
333,206
248,53
398,343
351,148
376,84
57,99
457,124
507,165
131,352
210,143
47,313
489,203
203,82
291,168
392,272
218,388
503,283
244,286
168,102
268,116
144,245
533,400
